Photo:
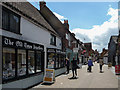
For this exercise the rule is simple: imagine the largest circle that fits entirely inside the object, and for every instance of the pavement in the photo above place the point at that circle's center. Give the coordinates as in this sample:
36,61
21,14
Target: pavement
107,79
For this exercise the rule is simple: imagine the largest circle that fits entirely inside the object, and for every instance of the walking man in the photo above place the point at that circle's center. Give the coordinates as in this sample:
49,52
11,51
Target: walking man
74,67
67,65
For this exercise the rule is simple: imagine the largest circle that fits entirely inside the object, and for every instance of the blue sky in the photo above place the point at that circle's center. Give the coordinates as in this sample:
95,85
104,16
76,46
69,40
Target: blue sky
92,22
82,14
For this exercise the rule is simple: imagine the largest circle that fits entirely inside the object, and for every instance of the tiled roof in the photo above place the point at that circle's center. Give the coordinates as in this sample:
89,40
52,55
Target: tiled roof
31,12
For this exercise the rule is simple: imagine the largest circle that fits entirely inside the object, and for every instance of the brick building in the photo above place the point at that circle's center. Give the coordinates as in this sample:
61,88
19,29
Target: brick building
69,42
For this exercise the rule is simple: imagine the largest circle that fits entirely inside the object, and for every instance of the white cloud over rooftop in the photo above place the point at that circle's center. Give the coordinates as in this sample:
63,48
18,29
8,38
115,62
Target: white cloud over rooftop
99,35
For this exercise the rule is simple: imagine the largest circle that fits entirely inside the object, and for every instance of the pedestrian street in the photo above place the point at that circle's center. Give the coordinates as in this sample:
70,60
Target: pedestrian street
85,79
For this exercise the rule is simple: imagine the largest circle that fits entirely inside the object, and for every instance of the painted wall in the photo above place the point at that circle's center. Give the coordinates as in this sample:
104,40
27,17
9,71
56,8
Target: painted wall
32,33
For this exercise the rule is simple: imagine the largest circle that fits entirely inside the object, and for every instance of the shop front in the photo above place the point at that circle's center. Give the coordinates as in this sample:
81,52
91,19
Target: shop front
56,60
21,60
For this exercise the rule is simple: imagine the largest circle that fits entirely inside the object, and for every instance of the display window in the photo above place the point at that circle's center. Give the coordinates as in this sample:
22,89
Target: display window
55,58
51,60
8,63
60,58
31,62
57,61
62,64
21,63
38,61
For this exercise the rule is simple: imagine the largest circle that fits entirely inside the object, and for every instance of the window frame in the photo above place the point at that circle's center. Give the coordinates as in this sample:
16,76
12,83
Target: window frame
4,9
59,62
54,42
27,75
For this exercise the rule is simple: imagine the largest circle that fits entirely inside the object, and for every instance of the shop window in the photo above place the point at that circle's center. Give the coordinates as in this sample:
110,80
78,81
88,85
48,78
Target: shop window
57,61
51,60
5,20
14,23
60,58
10,21
62,64
53,40
21,63
8,63
31,62
38,61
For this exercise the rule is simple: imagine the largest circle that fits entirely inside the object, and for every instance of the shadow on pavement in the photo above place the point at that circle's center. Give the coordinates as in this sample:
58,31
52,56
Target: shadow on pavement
72,78
101,71
48,84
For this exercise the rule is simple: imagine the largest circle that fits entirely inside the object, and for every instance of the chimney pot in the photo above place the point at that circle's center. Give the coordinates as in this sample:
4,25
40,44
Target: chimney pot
66,21
42,4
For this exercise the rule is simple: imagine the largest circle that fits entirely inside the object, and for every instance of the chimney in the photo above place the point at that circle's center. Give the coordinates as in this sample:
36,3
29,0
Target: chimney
73,34
103,49
66,24
42,4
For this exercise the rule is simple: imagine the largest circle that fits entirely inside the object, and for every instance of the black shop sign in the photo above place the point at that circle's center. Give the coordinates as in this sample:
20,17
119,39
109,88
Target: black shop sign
15,43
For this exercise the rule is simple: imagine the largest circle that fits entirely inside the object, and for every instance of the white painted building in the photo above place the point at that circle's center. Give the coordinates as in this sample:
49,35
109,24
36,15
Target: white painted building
105,58
27,43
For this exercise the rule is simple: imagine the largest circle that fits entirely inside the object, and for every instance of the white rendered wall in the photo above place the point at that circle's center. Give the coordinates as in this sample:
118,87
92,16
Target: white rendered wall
34,34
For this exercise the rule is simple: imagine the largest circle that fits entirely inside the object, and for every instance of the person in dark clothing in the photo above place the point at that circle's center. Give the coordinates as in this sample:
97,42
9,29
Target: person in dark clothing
101,64
67,65
90,64
74,67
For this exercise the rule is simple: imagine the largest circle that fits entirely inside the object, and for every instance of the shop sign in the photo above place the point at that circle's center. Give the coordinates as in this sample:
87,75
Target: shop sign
20,44
51,50
49,76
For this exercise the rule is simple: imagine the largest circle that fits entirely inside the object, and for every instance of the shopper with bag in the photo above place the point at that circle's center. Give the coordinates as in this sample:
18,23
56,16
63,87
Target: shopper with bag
90,64
74,67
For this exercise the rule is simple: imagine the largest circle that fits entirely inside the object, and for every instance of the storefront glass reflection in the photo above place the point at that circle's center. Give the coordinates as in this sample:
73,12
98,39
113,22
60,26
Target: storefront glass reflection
38,61
31,62
8,63
21,63
51,60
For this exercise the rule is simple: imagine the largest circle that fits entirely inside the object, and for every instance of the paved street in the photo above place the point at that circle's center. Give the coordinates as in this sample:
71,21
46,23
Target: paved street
86,80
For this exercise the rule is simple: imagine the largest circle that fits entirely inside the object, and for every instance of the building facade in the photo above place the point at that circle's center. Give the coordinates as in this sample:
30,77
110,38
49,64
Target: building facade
28,41
112,48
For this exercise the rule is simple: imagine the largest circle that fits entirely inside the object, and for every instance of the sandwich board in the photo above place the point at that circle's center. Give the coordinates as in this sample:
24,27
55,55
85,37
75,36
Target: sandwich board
49,76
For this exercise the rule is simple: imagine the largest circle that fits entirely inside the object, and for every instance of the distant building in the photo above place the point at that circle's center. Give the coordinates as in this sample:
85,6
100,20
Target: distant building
112,47
69,42
104,55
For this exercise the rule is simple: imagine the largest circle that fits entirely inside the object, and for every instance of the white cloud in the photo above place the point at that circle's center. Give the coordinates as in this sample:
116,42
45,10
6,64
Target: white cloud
60,17
99,35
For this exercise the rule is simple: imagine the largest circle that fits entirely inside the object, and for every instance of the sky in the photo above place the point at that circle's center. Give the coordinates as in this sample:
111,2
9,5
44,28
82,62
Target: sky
92,22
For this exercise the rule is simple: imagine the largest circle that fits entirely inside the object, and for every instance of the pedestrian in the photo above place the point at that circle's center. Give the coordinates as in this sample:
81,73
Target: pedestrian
74,67
67,65
90,64
101,64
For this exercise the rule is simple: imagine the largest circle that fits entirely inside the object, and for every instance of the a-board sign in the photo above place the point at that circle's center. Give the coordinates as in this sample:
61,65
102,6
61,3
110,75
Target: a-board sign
49,76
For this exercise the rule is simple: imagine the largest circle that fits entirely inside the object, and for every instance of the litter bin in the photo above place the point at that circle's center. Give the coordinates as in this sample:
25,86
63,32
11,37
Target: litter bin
117,69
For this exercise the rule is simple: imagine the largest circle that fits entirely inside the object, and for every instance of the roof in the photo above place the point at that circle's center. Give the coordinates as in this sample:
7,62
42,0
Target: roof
53,20
28,10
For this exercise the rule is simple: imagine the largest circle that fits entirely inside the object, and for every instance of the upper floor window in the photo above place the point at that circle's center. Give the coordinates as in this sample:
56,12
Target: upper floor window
10,21
53,40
